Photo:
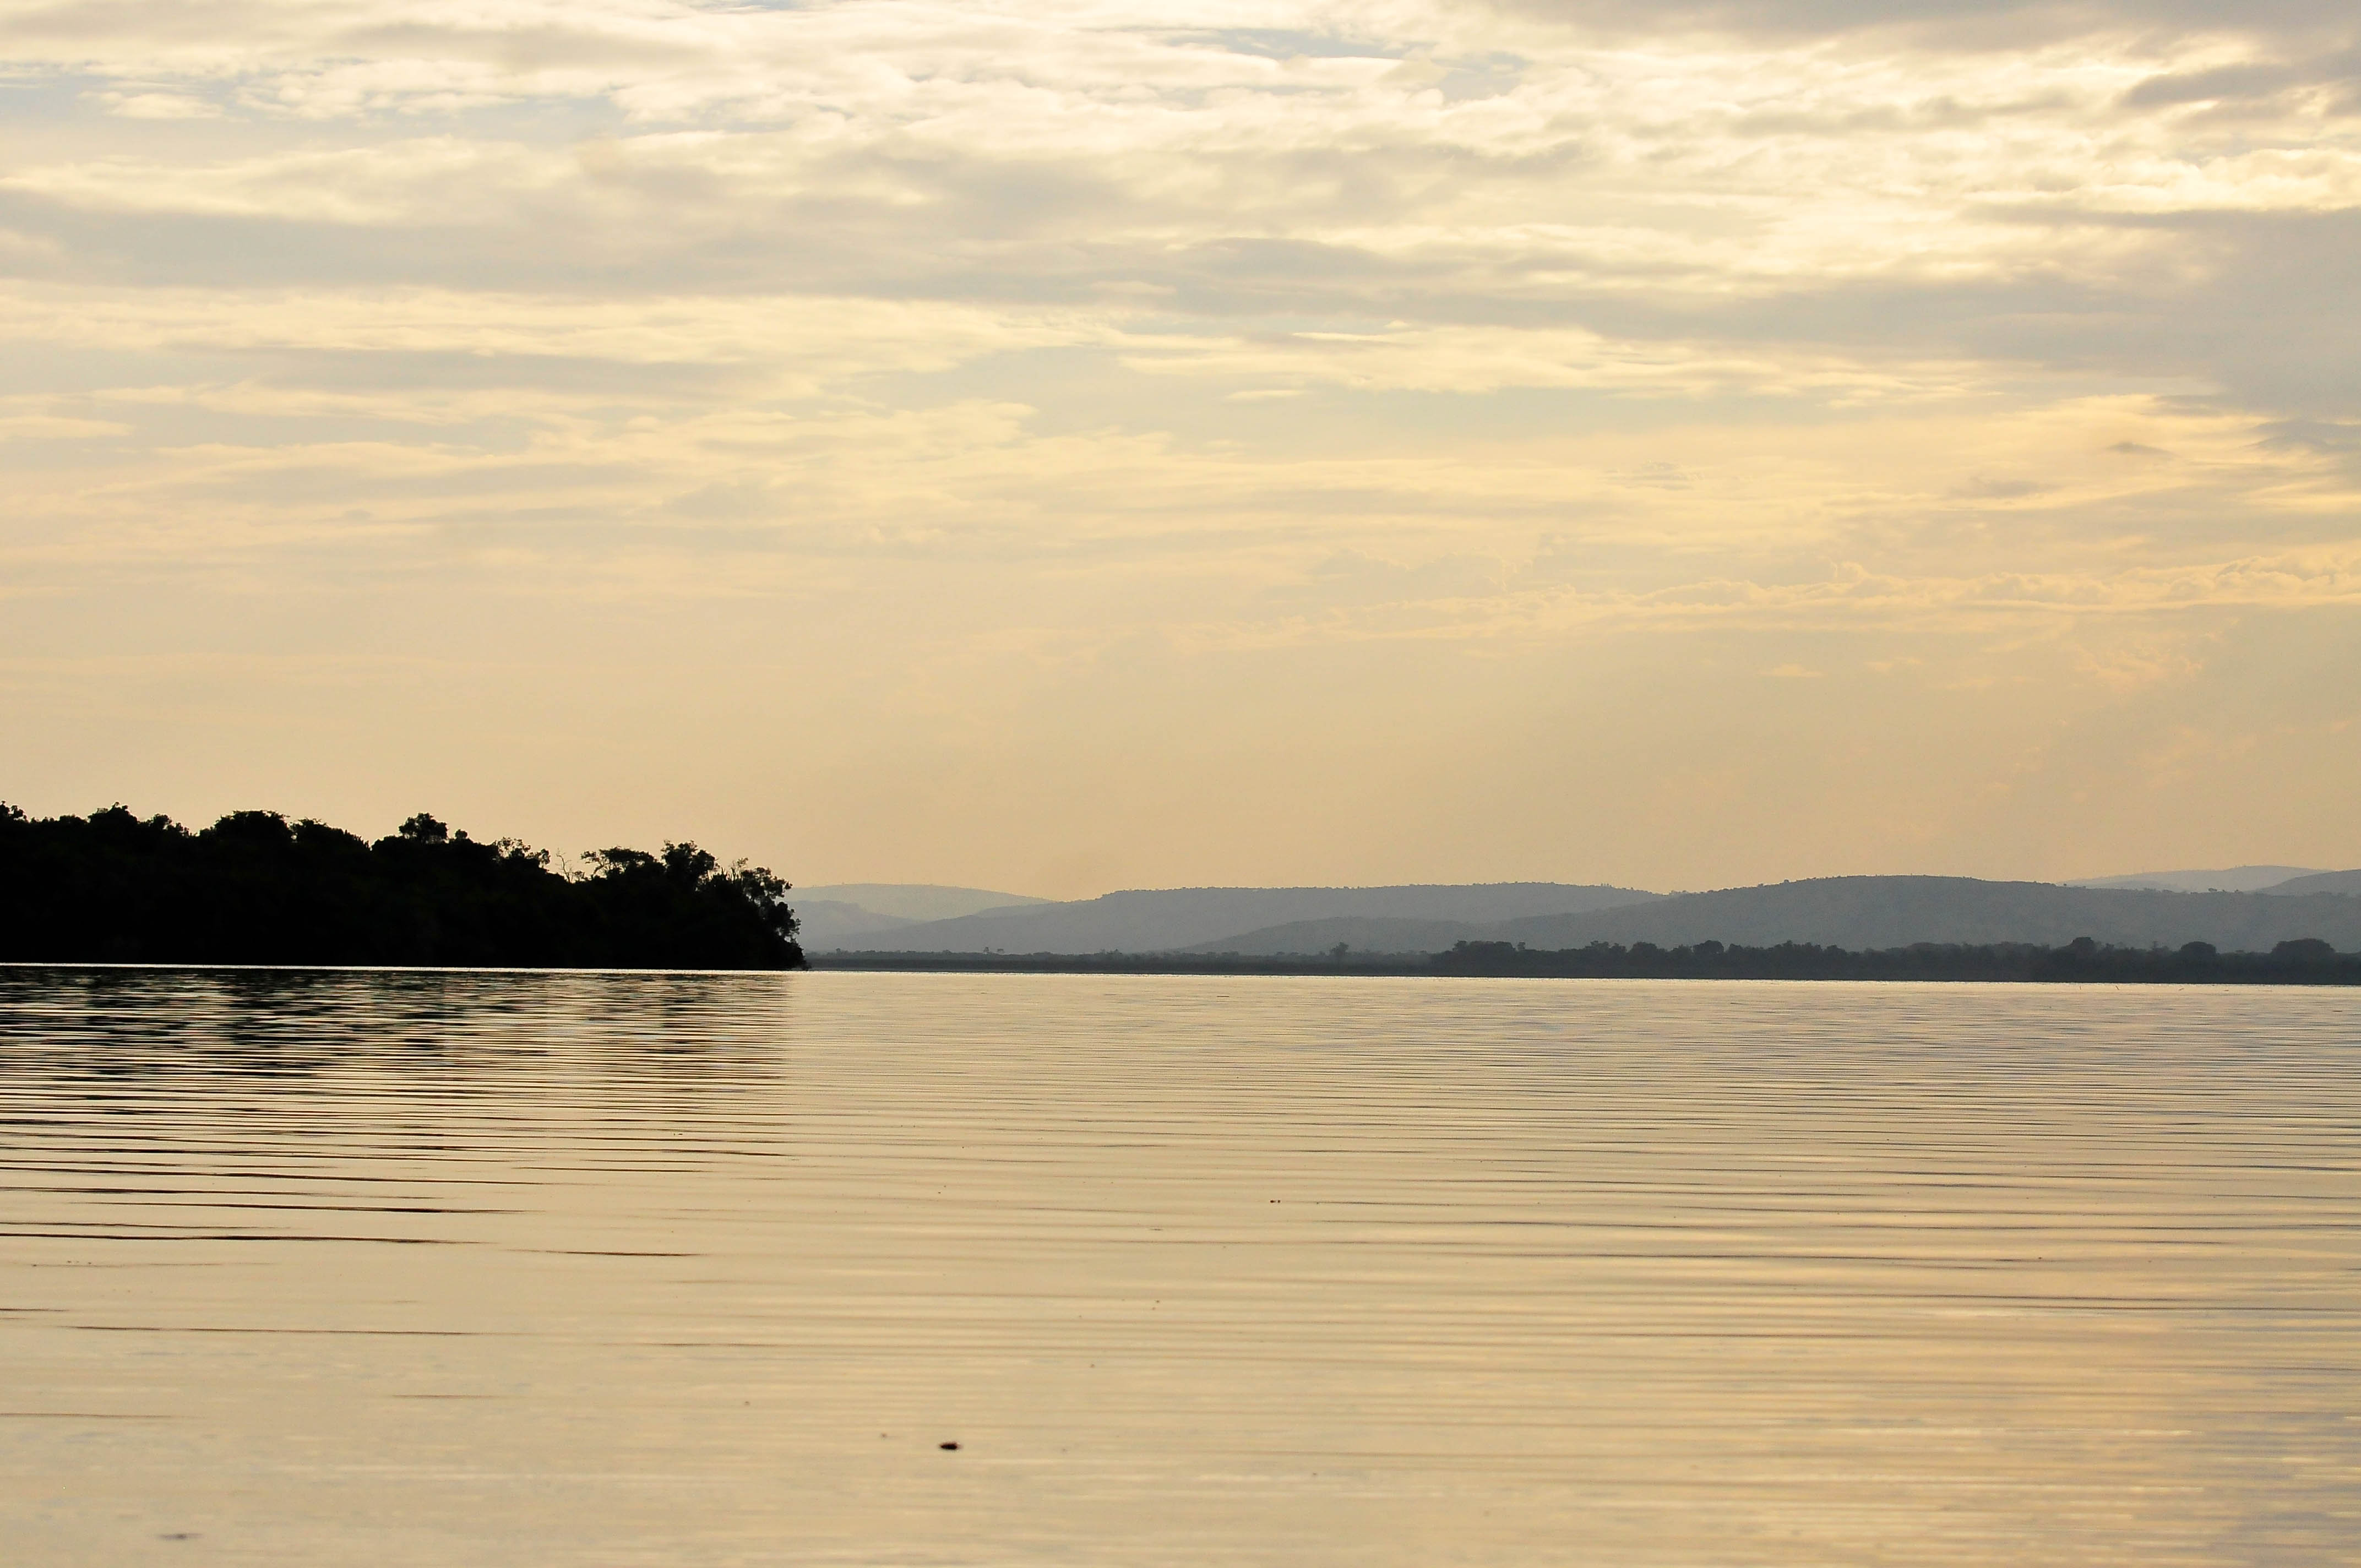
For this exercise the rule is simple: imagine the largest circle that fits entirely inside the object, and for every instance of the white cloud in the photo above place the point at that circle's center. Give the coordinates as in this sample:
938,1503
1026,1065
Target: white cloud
157,105
2015,341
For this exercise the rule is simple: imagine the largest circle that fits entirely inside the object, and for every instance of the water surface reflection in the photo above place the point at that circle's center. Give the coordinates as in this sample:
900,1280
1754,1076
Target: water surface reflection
364,1267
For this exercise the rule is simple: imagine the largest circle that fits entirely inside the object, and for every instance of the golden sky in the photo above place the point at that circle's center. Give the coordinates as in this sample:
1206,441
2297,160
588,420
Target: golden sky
1061,446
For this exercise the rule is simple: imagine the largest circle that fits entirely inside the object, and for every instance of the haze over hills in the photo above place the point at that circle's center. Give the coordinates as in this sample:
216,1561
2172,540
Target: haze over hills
827,923
1848,911
2346,883
1149,921
1865,913
1361,933
918,900
837,913
2229,879
1890,912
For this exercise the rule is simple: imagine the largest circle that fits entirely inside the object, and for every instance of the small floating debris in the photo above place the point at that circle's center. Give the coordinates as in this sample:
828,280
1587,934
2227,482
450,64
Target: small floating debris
948,1447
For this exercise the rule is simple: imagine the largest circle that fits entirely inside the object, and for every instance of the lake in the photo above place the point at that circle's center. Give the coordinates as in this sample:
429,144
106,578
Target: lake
339,1267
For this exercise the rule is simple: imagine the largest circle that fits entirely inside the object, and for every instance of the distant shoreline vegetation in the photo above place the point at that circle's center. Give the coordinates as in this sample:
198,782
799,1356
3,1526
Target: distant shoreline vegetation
258,889
2304,961
255,888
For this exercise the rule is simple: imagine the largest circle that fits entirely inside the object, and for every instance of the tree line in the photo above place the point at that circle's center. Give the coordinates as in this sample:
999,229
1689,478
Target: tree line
2306,961
255,888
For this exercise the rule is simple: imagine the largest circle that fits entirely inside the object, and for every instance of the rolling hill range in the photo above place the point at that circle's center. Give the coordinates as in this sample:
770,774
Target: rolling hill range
828,923
1362,933
1862,912
2346,883
2227,878
1176,918
860,912
1847,912
1890,912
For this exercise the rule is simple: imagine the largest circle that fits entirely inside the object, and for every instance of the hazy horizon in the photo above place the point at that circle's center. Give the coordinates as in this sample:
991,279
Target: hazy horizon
1025,444
847,892
920,891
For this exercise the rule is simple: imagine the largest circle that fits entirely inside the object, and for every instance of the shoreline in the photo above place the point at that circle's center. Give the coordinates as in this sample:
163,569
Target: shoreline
2026,965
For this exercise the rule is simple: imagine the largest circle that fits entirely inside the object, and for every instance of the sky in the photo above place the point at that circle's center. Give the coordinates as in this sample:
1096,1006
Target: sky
1060,445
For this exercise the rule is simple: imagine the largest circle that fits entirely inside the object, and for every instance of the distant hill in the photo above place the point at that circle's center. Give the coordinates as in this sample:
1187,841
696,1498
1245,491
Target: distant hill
840,912
2345,882
1361,933
828,921
2229,879
917,900
1163,920
1890,912
1866,913
1857,912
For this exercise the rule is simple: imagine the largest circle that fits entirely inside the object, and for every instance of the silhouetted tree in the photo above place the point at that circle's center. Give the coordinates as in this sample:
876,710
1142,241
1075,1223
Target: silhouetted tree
254,888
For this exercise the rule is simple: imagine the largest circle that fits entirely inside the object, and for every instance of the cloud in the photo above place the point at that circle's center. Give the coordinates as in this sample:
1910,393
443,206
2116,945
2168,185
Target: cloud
56,427
1098,159
157,105
1977,341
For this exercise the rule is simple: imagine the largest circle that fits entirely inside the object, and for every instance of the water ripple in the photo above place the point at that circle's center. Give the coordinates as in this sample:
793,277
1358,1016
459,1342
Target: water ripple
618,1269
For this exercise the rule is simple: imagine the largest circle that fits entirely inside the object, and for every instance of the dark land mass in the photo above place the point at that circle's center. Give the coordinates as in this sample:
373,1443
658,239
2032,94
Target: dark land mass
1859,914
2300,962
1877,913
1156,920
255,888
931,962
2346,883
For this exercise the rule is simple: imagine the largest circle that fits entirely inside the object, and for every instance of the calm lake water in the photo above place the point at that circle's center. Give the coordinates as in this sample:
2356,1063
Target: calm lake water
519,1269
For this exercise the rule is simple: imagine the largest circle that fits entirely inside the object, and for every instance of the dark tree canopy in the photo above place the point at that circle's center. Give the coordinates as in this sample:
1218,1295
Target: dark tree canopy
255,888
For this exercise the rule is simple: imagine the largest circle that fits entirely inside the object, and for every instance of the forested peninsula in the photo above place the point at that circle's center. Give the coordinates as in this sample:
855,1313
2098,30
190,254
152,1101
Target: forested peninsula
255,888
